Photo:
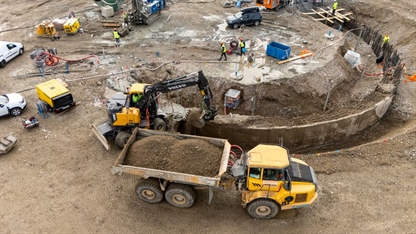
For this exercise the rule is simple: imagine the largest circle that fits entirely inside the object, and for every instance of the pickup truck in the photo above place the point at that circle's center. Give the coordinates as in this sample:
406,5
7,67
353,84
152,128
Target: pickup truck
268,179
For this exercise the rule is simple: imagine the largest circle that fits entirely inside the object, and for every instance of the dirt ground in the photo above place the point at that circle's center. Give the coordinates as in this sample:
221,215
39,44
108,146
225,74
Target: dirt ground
57,178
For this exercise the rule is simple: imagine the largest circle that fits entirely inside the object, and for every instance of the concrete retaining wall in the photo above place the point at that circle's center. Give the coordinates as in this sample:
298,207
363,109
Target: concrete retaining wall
299,136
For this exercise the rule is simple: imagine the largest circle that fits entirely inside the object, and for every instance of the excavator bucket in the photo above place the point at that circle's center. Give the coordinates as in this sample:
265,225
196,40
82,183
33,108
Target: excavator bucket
195,118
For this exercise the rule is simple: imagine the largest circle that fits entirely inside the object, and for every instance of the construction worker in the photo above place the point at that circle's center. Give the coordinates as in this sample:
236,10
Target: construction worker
125,17
223,51
135,98
242,47
386,39
334,7
117,37
127,21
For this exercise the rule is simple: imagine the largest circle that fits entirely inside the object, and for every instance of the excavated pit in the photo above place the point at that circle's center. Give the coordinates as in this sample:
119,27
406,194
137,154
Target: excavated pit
279,103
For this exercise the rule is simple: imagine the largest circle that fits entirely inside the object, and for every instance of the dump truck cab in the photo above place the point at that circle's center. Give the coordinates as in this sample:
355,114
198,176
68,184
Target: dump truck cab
54,96
273,181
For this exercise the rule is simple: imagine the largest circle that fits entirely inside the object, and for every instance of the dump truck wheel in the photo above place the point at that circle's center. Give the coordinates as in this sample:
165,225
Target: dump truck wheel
159,124
122,138
180,195
263,209
149,190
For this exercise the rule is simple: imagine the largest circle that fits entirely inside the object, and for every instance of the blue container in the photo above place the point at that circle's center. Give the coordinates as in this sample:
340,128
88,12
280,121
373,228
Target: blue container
162,4
278,51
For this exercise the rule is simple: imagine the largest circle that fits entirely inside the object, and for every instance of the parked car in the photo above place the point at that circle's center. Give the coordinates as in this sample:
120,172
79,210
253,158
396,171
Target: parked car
12,104
246,16
9,50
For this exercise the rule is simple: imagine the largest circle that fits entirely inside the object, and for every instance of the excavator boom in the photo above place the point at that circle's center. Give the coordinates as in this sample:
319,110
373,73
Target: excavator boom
192,79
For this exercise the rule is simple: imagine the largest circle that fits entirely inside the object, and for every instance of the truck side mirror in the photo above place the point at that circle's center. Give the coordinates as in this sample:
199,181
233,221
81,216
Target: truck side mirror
288,182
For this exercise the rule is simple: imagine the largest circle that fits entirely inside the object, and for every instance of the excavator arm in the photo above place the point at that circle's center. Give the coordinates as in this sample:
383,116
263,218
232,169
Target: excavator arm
192,79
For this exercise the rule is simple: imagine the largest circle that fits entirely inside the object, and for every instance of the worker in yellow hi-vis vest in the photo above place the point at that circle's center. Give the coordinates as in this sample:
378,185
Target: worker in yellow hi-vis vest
334,7
117,37
386,39
223,51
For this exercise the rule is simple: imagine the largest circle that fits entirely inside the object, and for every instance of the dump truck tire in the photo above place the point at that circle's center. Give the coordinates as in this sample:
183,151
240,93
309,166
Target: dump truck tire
180,195
263,209
121,139
149,190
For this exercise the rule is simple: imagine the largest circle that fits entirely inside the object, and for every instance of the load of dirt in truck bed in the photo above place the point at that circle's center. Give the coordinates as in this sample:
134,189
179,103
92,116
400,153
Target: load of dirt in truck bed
190,156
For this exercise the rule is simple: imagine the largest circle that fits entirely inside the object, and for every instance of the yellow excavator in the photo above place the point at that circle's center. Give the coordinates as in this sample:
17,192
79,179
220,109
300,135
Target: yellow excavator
124,114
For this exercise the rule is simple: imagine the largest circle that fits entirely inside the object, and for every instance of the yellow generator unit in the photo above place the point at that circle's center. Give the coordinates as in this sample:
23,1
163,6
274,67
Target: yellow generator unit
72,26
47,29
54,96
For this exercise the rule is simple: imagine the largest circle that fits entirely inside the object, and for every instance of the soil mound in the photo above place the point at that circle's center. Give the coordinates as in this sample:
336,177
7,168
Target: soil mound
191,156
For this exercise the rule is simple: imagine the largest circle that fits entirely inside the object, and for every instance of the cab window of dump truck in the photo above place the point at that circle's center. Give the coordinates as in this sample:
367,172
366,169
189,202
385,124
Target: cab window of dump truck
272,174
255,173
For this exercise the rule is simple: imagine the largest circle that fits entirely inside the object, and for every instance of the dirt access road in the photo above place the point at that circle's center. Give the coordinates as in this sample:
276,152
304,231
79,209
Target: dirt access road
58,180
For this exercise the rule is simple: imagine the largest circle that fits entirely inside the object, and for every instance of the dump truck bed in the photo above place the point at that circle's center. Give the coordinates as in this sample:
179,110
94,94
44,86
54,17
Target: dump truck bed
121,165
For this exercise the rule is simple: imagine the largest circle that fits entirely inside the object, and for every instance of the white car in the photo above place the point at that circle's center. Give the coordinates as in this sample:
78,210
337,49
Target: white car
12,104
9,50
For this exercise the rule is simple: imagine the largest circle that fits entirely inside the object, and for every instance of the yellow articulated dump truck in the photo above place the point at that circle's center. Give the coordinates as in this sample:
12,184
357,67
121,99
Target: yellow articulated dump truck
171,166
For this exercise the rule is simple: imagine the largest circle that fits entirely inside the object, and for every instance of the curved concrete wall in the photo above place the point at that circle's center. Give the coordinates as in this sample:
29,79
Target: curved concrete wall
298,136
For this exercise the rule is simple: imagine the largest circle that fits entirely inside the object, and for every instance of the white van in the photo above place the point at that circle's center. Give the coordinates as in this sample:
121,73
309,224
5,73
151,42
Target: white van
9,50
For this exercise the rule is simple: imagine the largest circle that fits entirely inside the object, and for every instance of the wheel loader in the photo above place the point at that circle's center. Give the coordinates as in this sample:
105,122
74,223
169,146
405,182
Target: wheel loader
124,114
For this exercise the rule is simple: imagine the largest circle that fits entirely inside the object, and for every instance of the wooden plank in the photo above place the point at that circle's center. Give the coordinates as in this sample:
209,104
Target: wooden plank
343,16
111,25
319,13
294,58
330,13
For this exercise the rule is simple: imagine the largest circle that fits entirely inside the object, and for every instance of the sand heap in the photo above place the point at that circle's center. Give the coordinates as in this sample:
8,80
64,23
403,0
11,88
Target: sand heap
191,156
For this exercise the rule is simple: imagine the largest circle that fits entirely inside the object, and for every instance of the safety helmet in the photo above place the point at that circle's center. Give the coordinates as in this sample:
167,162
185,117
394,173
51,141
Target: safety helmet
241,38
115,29
124,12
387,34
221,43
